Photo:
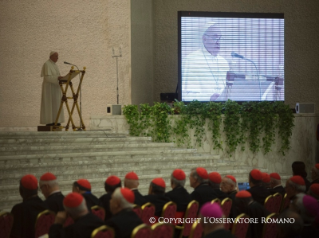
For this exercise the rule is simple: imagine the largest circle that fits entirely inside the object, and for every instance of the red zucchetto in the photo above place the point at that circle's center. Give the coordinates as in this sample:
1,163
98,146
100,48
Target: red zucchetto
265,178
29,181
159,182
127,194
48,177
131,175
297,180
84,183
231,177
256,174
179,174
73,200
202,172
112,180
243,194
275,176
215,177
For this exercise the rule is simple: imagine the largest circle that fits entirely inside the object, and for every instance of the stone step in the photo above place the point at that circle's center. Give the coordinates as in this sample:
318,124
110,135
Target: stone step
38,158
25,150
76,140
59,134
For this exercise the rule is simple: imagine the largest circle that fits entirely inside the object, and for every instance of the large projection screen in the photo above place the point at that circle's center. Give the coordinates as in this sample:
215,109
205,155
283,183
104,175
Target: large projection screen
236,56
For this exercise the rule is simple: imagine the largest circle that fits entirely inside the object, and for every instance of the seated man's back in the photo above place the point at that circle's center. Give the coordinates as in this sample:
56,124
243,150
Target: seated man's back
25,213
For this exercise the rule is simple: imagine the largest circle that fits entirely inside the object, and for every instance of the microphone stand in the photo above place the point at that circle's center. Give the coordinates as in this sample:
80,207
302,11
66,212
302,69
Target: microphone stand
117,72
257,75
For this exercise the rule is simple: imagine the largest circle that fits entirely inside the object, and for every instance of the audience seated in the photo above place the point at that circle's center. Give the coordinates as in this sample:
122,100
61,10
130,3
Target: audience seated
83,186
111,183
257,191
245,204
179,194
229,187
314,191
295,185
214,180
50,189
265,181
131,182
84,221
299,168
212,229
156,195
315,174
290,229
25,213
124,219
275,184
308,209
202,191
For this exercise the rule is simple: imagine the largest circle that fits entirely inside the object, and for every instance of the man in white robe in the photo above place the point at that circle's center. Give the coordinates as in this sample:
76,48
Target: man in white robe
51,92
204,71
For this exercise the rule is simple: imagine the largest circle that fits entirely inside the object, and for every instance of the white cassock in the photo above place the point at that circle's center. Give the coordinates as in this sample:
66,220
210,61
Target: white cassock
51,94
203,75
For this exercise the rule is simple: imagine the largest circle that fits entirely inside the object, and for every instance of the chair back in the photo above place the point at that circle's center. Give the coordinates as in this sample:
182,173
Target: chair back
138,210
6,222
285,203
216,200
142,231
103,232
277,197
169,210
43,222
269,203
191,212
196,231
226,206
99,212
148,211
240,228
162,230
270,229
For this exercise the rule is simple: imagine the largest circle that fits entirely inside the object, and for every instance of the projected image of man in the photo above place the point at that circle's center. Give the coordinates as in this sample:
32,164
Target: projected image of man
204,71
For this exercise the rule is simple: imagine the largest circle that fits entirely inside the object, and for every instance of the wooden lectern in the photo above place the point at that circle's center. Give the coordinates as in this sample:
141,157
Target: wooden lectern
65,83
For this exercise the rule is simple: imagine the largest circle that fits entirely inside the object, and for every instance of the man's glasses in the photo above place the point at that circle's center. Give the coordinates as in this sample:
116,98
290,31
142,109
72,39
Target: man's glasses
214,39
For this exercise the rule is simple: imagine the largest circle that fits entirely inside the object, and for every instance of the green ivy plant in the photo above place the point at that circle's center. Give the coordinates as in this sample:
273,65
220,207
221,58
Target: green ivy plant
252,122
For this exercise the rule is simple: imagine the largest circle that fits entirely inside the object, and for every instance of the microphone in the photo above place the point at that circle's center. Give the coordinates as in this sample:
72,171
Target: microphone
233,54
68,63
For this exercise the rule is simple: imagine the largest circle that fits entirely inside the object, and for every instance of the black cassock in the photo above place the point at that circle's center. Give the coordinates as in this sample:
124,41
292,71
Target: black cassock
181,197
139,198
203,193
256,210
55,202
259,193
221,233
159,201
279,189
91,200
81,228
24,217
124,223
105,202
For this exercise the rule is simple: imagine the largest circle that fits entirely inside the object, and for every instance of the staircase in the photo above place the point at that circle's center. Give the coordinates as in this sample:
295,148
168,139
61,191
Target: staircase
95,155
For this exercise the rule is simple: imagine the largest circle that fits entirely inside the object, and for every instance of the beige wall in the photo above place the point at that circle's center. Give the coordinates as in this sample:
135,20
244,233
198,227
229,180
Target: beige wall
142,51
83,32
301,42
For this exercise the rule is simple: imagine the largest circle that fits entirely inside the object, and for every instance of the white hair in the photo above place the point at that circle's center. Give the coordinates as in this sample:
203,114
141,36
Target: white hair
75,211
297,187
178,182
50,183
195,175
231,182
124,203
